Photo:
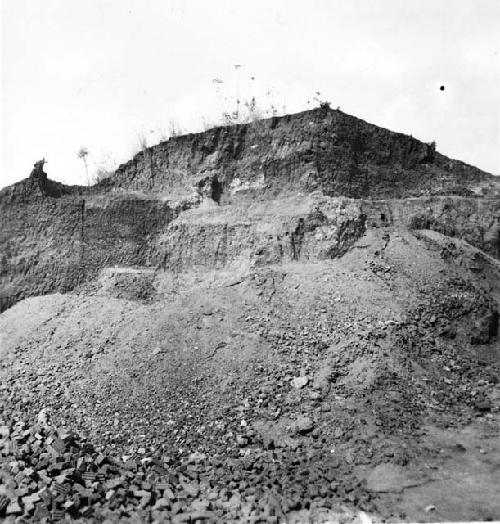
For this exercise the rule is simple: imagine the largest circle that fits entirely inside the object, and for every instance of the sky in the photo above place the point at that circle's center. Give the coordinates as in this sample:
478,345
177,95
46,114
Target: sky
110,75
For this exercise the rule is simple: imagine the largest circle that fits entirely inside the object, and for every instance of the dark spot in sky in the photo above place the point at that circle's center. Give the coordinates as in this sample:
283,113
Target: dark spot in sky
442,88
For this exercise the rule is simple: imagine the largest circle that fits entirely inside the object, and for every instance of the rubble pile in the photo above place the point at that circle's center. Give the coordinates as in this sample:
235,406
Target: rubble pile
270,399
53,474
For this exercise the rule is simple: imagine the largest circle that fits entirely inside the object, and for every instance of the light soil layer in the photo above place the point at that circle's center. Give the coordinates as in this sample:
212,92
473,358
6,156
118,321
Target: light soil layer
381,367
54,245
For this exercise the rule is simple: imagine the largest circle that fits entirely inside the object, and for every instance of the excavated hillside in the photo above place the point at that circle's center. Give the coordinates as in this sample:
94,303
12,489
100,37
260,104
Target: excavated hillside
55,237
286,321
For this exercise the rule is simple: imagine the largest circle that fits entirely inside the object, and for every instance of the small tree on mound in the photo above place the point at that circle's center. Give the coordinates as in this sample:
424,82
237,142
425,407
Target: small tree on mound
83,154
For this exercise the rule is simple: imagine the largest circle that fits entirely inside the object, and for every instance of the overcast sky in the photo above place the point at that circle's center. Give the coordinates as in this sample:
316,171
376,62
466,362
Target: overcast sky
105,74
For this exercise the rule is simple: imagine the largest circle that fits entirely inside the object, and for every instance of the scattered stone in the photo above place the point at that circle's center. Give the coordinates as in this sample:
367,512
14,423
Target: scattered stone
484,405
300,382
303,424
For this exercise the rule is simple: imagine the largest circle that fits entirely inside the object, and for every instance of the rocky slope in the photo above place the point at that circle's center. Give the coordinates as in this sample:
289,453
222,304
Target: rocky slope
290,320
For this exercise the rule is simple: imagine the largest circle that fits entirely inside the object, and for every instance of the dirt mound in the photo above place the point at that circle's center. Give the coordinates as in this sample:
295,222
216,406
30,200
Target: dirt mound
292,381
268,322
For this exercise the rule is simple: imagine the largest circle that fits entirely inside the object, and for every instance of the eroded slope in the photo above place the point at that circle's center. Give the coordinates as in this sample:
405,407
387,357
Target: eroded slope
54,237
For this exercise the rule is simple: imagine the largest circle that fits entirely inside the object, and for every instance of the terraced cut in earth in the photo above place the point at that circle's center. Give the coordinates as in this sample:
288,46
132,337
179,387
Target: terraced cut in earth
290,321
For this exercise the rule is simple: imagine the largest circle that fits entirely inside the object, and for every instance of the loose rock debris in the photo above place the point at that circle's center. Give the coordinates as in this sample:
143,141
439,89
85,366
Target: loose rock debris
53,474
